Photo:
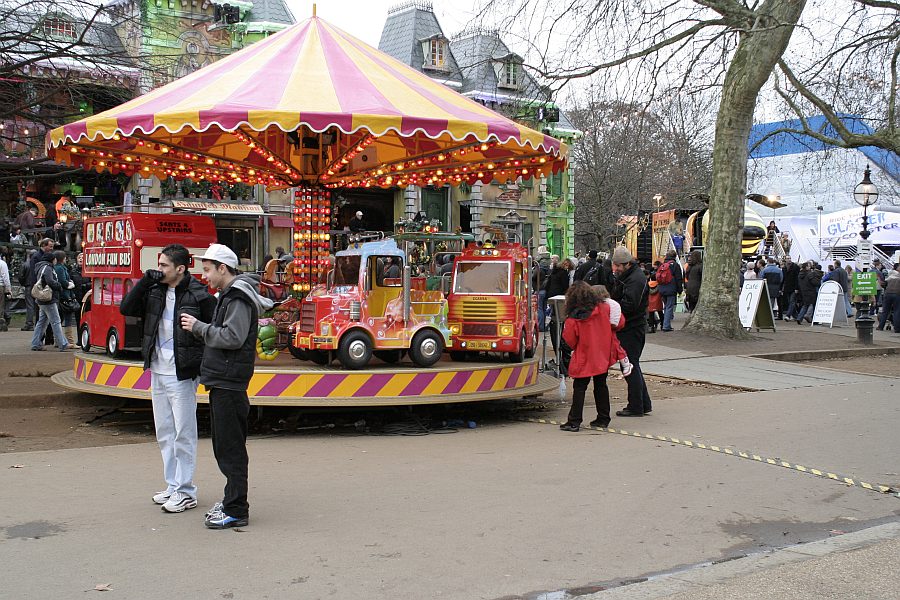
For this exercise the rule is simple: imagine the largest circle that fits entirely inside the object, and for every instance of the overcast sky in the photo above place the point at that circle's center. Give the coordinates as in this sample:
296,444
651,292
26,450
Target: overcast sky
365,18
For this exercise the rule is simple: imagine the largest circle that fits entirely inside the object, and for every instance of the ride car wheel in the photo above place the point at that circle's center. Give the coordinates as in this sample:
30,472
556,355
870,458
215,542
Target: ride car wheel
84,338
113,344
355,350
519,356
426,348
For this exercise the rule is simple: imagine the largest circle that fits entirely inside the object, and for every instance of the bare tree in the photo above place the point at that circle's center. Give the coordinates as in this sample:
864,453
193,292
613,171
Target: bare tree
630,153
734,45
61,60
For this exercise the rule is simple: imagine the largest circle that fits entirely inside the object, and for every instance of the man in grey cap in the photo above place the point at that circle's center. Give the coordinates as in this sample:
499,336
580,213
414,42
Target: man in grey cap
629,289
228,360
357,224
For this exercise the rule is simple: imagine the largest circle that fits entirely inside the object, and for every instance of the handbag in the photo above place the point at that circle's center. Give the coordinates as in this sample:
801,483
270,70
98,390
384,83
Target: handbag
40,291
69,305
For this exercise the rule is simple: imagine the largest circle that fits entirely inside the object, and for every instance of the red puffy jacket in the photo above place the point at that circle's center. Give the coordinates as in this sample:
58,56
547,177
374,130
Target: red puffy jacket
593,343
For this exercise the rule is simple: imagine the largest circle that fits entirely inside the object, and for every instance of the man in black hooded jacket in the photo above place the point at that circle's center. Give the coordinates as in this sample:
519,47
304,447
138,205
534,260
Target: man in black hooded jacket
629,289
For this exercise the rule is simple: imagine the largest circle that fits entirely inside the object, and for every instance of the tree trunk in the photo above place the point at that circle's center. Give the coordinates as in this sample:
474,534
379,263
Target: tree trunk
754,59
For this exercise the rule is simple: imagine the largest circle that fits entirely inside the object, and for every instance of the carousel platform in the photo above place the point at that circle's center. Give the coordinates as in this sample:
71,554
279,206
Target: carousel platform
290,382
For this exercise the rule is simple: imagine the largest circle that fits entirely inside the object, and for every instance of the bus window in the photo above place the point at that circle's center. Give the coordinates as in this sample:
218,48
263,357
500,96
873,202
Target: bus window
107,291
129,283
98,286
116,298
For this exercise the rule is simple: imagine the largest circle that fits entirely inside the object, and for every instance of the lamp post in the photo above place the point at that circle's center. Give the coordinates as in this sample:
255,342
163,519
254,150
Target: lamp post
865,194
819,229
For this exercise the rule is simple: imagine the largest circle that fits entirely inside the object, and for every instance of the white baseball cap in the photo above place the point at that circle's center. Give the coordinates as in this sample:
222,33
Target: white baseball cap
220,253
359,213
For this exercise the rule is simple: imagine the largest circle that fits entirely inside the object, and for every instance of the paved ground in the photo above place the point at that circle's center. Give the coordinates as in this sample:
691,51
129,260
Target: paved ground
511,510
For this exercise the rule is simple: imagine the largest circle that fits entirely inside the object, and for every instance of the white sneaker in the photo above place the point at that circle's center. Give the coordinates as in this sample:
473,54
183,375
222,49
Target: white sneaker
216,508
162,497
179,502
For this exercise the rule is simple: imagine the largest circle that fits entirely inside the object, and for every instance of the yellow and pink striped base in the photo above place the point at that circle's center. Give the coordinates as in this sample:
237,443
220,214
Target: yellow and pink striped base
299,385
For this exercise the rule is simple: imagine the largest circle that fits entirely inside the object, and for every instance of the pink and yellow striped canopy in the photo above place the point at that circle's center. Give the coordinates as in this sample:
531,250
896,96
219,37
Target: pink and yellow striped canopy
311,104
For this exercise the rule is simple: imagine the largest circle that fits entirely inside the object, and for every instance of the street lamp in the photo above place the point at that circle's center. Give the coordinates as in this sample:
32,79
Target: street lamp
865,194
819,229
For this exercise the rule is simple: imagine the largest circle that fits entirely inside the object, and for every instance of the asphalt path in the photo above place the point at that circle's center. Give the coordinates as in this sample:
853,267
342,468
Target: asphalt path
512,510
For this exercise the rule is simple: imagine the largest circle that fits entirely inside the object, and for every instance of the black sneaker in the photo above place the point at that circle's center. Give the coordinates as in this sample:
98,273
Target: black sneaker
219,520
569,427
600,424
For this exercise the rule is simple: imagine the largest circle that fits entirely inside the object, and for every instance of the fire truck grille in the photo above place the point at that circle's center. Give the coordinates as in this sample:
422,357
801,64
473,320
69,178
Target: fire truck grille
308,317
479,310
488,329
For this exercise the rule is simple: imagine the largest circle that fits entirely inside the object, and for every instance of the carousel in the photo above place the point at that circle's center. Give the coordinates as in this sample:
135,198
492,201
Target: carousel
313,109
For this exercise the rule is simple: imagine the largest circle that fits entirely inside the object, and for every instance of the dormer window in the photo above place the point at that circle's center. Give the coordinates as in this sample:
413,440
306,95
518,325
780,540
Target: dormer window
509,71
59,28
435,51
511,74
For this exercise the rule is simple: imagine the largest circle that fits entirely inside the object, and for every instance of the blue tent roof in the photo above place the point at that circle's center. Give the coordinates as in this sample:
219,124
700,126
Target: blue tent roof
782,144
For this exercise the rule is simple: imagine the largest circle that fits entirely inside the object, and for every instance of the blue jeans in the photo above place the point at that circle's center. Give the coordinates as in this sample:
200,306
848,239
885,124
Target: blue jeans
806,311
542,310
668,311
175,417
847,304
49,313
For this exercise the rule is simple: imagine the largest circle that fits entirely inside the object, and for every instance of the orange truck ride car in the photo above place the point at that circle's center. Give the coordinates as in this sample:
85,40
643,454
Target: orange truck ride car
491,307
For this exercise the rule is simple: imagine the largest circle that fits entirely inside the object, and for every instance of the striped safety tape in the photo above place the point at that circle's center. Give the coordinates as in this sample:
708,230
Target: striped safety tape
850,481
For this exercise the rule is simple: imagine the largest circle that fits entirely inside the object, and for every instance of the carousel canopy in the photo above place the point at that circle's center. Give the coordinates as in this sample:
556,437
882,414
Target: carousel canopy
309,105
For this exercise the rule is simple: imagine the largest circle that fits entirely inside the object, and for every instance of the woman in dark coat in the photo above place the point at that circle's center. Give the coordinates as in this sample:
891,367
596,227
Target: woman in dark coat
557,284
808,281
693,275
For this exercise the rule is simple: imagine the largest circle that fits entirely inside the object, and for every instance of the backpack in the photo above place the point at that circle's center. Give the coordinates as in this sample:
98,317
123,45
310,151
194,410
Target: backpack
664,273
592,277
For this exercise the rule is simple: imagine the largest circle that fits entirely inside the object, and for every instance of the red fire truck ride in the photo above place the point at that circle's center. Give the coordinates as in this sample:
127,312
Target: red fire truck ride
490,304
118,248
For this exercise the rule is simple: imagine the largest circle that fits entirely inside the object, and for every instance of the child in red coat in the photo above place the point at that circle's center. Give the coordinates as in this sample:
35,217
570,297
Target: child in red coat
589,333
654,305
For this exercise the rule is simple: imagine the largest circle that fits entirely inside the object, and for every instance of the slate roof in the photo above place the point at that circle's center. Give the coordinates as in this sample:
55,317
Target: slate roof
476,53
101,42
406,27
269,11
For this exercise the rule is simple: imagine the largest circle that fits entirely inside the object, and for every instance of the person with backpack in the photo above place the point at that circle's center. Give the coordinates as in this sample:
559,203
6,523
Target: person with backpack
585,267
670,278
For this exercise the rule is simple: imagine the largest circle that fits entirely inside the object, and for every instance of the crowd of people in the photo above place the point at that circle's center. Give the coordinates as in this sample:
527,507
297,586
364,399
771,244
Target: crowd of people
793,289
53,317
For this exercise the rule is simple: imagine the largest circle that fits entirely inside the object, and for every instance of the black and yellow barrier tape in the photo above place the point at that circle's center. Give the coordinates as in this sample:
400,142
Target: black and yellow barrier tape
849,481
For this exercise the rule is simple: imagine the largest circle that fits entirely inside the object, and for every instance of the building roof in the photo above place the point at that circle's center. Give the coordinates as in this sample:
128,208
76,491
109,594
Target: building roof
784,143
407,26
101,46
477,51
270,12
